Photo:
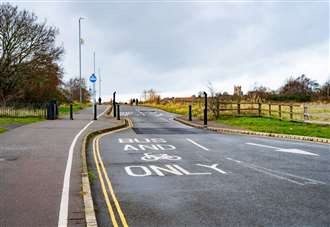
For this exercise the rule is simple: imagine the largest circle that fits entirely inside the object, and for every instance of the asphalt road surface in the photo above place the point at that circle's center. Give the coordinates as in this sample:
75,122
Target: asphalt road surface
162,173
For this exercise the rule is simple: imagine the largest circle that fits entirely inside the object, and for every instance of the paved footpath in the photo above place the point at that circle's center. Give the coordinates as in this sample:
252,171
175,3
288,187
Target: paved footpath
33,161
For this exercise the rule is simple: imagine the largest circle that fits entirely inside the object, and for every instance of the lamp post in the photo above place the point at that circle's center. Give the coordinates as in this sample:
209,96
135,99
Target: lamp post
80,42
100,99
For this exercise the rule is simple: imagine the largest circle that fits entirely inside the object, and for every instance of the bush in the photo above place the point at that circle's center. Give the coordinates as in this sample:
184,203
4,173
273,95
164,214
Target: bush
291,98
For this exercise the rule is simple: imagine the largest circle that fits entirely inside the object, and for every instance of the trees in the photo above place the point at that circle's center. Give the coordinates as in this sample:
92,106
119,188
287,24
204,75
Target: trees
73,92
151,96
259,94
29,69
300,86
214,103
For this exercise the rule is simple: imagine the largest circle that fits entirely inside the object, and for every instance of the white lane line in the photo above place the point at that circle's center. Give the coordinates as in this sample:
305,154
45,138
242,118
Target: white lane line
64,206
63,215
234,160
198,145
278,174
102,113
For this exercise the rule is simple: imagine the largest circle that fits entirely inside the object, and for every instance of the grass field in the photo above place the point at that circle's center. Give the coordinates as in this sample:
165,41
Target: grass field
260,124
315,111
276,126
65,108
2,130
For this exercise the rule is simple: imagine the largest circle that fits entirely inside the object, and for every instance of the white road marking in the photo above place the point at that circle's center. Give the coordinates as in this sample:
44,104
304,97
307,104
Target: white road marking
156,157
63,215
64,206
278,174
231,159
198,145
287,150
214,167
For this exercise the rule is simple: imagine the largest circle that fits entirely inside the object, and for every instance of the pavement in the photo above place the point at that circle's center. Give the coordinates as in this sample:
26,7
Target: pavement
33,161
162,173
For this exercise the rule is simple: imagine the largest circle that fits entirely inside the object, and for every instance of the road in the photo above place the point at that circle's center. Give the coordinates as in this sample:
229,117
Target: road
162,173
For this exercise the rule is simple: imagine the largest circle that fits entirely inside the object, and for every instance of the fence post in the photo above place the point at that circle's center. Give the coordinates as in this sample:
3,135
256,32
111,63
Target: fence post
270,110
291,113
190,117
279,112
71,112
305,112
118,112
238,109
259,109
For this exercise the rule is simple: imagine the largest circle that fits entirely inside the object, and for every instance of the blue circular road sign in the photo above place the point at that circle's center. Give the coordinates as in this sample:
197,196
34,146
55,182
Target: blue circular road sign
92,78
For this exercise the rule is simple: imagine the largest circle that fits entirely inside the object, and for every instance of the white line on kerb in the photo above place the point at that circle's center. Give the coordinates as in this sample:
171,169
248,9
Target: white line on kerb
198,145
64,206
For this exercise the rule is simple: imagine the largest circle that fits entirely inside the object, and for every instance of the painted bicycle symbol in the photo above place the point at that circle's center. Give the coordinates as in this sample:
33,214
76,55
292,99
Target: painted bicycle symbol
157,157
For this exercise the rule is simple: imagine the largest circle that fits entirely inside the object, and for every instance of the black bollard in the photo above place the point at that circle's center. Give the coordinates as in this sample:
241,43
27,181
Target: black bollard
118,112
95,111
205,109
190,115
114,104
71,112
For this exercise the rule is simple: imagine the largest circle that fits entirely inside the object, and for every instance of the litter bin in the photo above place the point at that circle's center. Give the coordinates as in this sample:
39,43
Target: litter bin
52,110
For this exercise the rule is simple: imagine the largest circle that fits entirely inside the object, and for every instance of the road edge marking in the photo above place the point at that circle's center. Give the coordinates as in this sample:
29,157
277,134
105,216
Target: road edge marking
112,193
104,190
90,216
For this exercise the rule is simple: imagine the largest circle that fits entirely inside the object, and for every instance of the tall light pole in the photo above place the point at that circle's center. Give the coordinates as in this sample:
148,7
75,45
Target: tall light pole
94,89
99,71
80,42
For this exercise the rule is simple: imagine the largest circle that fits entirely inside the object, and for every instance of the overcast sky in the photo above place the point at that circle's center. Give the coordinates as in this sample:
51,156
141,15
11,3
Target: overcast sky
178,47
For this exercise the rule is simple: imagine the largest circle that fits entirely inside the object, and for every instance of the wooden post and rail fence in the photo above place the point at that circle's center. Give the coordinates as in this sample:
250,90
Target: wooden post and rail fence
287,111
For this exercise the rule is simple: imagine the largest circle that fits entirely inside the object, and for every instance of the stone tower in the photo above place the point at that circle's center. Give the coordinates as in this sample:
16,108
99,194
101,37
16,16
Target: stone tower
238,90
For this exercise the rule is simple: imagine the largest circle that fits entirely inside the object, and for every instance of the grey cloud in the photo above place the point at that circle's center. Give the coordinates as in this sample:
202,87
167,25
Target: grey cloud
178,47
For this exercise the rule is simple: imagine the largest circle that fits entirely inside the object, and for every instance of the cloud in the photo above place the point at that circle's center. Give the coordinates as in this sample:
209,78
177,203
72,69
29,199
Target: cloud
176,48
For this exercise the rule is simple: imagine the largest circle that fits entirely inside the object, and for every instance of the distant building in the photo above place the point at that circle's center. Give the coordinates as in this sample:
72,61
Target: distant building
238,91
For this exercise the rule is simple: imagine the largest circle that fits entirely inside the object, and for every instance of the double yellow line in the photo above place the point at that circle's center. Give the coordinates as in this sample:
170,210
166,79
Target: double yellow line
103,177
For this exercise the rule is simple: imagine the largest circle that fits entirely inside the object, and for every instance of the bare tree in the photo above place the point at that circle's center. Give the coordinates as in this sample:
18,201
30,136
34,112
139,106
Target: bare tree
299,86
151,96
25,45
72,88
259,94
214,104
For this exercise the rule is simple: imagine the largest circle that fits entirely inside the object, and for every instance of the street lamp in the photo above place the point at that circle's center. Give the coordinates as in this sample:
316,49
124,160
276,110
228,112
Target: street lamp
80,42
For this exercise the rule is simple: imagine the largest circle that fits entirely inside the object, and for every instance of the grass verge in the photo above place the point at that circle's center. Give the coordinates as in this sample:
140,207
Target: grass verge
277,126
65,108
17,120
2,130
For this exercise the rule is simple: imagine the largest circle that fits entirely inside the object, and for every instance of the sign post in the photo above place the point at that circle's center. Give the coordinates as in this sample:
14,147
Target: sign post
93,79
